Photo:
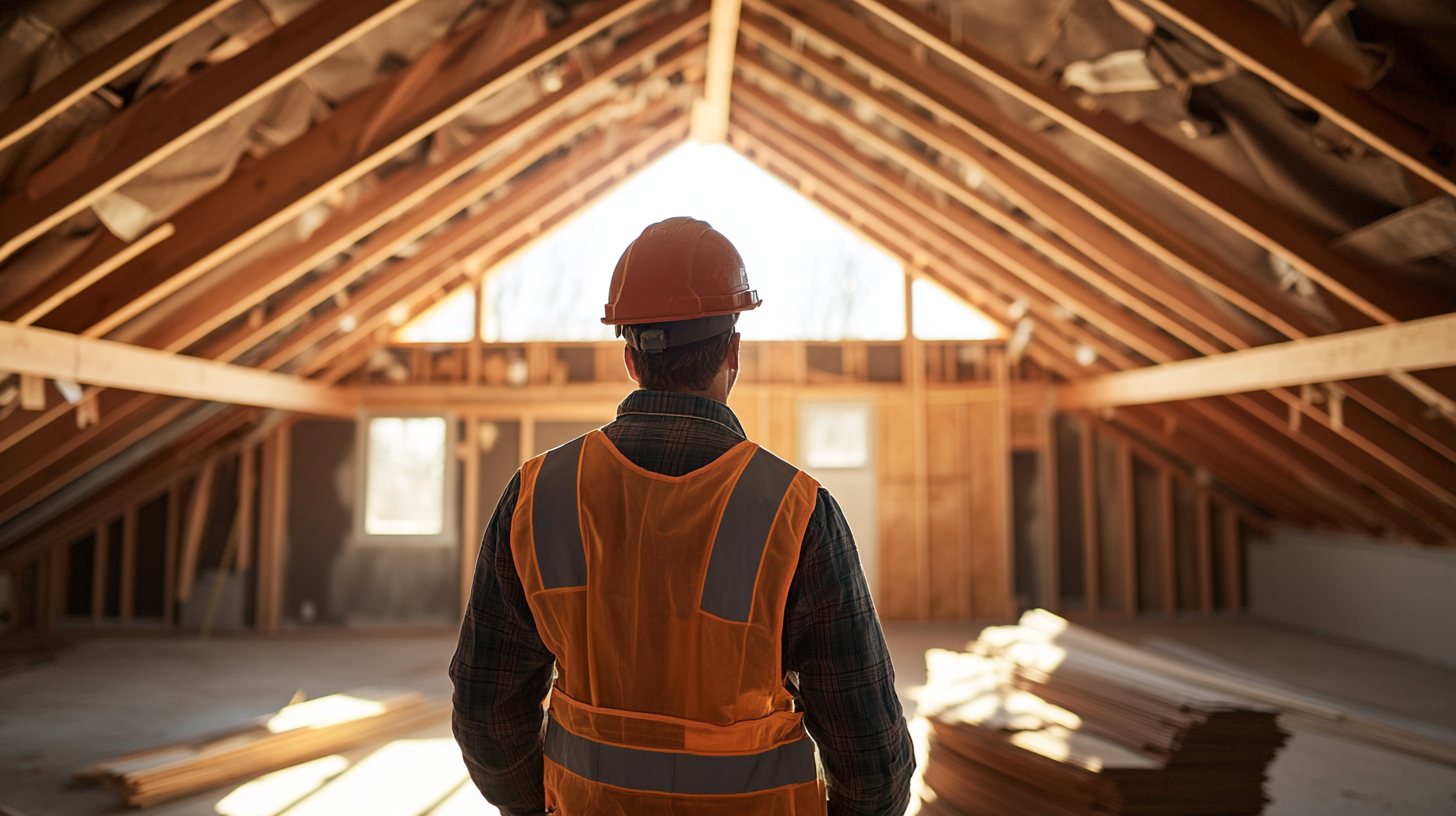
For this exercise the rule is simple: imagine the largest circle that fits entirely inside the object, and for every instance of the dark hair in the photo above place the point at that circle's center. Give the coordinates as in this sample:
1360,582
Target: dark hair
682,368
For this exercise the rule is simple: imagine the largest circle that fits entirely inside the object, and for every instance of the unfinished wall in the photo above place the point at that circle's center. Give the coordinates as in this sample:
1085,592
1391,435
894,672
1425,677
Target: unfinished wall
1399,598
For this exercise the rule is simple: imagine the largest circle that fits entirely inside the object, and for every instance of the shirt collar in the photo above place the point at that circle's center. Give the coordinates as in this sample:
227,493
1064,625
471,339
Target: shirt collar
674,403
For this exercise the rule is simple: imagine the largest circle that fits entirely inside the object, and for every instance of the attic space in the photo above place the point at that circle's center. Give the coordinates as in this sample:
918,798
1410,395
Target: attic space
1123,332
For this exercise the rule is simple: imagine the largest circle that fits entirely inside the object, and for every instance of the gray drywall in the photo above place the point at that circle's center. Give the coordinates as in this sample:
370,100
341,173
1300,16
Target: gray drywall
1395,597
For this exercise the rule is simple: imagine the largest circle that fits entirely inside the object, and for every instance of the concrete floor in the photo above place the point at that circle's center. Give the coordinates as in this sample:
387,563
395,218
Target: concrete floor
102,697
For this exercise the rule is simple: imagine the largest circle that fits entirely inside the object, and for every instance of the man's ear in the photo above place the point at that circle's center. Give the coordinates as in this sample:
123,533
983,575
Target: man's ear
731,358
631,364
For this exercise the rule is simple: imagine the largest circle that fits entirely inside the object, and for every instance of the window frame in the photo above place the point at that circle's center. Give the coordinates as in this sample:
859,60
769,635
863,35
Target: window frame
449,535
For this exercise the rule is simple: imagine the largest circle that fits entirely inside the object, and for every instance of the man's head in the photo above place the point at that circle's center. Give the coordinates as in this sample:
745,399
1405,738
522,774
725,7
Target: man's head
675,297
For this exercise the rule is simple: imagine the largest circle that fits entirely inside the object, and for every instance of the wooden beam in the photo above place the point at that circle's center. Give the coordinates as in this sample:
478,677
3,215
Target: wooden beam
1127,509
710,115
169,24
160,124
1091,555
48,353
247,491
1071,238
412,203
1261,45
1233,560
452,76
1410,346
273,532
1031,172
174,542
1266,223
832,162
469,513
196,526
1167,532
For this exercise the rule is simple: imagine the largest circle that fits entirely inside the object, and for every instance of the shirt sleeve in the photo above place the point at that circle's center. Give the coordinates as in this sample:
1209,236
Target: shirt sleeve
502,671
832,638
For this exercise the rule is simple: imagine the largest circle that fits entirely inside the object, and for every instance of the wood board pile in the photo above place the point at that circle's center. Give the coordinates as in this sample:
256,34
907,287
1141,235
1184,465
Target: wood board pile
1023,723
297,733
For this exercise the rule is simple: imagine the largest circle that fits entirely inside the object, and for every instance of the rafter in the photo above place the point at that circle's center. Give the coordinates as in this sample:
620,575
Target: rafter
1264,222
161,124
168,24
451,77
1031,173
710,116
1255,40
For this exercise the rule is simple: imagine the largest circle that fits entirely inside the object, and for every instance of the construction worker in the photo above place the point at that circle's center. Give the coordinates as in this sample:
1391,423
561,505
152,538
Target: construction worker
698,602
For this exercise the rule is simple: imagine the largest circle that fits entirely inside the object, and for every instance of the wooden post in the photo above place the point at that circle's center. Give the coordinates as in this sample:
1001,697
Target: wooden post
98,572
922,475
1091,557
1129,527
169,565
528,438
247,490
1166,534
196,526
272,539
1205,556
43,604
127,601
1051,577
470,511
1232,560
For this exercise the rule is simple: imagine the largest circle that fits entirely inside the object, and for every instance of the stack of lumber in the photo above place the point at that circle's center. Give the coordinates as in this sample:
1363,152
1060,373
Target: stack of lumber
1023,723
298,733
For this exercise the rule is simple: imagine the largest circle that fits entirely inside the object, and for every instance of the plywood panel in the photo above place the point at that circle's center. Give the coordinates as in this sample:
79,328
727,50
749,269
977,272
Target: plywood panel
899,570
947,537
987,464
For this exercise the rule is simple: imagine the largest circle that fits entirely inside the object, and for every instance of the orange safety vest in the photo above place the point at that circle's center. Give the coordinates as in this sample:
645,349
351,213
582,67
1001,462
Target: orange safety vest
662,598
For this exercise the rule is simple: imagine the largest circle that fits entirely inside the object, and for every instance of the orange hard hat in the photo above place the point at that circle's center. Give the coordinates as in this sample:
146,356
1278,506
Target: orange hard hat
677,270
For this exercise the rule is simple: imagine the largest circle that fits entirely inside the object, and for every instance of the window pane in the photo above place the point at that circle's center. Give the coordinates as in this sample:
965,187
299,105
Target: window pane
836,436
939,315
405,493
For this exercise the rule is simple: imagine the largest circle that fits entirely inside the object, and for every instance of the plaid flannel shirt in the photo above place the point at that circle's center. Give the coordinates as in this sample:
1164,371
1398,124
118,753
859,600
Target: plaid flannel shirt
832,637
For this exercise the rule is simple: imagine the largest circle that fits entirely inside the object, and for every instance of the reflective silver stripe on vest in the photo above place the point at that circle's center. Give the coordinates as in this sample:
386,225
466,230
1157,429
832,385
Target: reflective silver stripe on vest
559,552
664,772
742,535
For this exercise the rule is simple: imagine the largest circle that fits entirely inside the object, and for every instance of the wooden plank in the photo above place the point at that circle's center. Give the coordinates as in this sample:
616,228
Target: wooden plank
1051,571
262,196
167,25
48,353
1409,346
920,438
49,297
247,491
196,526
710,115
1204,532
273,531
160,124
127,602
1091,560
1183,173
1260,44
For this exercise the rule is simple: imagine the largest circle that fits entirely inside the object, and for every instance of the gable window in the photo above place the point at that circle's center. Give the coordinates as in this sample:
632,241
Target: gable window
409,480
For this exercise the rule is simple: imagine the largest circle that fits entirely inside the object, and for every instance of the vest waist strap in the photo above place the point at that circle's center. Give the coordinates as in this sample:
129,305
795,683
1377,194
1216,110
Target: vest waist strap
656,732
681,773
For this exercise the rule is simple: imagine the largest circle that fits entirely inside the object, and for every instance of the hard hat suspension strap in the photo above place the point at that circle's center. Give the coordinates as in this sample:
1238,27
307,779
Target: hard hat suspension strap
653,338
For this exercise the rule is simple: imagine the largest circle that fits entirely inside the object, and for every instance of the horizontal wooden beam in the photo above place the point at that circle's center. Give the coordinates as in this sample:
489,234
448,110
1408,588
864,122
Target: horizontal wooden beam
1409,346
47,353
